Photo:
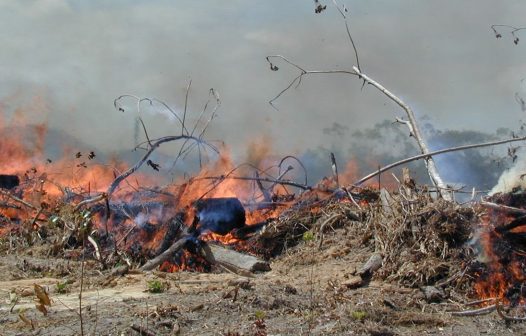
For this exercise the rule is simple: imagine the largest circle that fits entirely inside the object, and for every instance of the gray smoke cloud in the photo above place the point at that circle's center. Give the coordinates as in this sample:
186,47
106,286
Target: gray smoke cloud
77,56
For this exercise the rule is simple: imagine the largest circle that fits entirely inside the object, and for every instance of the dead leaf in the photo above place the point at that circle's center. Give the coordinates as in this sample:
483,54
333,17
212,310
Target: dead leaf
41,295
41,308
26,320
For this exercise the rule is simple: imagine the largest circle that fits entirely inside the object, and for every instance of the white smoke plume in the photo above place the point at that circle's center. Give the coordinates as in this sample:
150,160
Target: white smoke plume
512,178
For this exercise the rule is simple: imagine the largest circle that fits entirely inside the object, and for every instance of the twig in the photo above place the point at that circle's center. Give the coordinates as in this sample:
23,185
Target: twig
145,131
36,217
513,31
9,205
96,247
89,201
153,147
334,169
475,312
185,150
330,220
477,302
342,11
117,105
281,175
289,168
503,208
437,152
265,192
349,194
303,72
506,317
186,105
176,246
263,179
16,199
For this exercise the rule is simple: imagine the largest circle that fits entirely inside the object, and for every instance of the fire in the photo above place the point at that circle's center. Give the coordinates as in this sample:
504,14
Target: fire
504,271
51,183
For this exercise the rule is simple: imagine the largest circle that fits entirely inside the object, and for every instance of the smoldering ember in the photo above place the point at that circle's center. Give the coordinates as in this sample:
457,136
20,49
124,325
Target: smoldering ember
183,236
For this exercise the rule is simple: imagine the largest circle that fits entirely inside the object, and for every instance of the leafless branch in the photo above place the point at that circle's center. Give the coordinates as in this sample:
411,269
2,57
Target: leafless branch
441,151
475,312
288,167
16,199
262,179
513,31
298,78
153,147
343,11
186,104
506,317
432,170
184,150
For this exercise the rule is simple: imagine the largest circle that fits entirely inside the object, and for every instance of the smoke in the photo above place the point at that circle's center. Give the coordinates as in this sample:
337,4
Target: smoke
512,178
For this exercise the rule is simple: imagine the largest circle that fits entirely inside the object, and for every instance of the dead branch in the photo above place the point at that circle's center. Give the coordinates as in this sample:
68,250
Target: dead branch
329,221
478,302
266,194
475,312
118,106
9,205
16,199
437,152
89,201
343,10
153,147
415,132
289,168
506,317
334,169
262,179
96,247
503,208
176,246
512,32
297,80
184,150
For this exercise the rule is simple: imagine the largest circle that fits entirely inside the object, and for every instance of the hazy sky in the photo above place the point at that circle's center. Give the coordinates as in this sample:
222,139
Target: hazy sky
66,60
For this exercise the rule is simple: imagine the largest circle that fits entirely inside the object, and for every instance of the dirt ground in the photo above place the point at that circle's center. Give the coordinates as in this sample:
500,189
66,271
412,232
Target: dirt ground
308,292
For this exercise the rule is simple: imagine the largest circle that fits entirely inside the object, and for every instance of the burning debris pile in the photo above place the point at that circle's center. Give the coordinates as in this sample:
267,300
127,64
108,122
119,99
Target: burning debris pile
501,268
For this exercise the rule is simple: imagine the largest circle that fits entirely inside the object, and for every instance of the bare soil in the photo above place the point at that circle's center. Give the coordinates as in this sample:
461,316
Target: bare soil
308,292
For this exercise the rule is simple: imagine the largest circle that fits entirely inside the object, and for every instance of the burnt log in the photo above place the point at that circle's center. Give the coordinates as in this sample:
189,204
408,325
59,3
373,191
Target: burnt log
218,215
9,181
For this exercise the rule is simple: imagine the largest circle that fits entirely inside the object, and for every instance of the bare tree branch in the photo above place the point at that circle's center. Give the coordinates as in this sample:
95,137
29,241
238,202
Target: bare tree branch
432,170
153,147
298,78
429,154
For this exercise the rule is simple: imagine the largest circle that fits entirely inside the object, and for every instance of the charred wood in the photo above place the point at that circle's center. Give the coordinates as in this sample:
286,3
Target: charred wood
176,246
9,181
219,215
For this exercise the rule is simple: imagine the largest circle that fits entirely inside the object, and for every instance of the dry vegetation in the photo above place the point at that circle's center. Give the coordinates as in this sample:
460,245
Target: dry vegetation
318,284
